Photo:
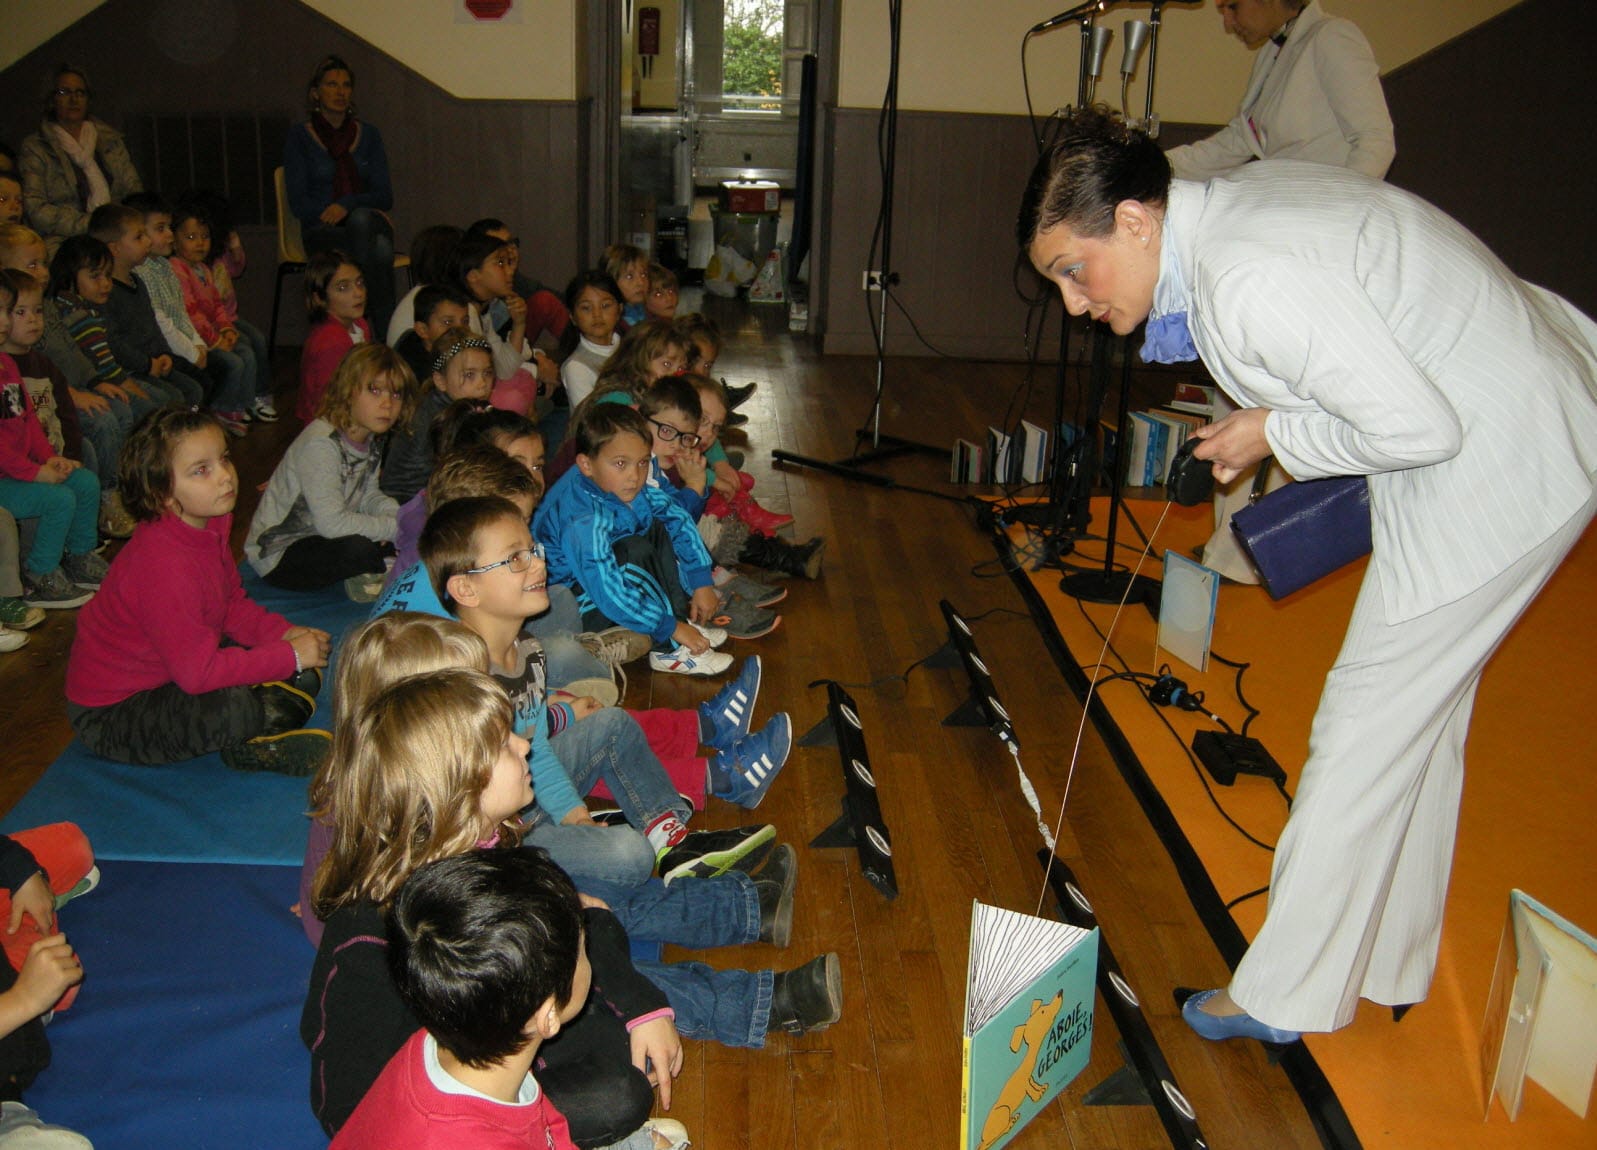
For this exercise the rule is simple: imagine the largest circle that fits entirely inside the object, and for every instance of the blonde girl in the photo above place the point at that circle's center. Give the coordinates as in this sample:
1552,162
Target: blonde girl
323,518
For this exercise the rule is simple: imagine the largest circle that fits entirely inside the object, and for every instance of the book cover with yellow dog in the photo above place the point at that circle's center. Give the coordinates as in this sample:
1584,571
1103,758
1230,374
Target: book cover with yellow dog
1028,1019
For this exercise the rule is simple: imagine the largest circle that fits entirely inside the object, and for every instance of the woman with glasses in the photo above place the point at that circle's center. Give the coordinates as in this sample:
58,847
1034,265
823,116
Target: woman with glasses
336,174
73,163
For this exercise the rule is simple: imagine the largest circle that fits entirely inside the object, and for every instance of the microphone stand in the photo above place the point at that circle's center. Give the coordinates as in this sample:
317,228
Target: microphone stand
1110,585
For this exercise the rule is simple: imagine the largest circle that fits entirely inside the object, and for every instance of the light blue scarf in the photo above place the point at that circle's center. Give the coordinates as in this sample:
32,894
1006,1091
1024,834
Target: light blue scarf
1167,339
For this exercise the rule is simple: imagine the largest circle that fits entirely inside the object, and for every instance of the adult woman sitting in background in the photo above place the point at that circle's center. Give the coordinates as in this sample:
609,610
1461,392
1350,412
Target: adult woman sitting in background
1362,332
336,173
73,163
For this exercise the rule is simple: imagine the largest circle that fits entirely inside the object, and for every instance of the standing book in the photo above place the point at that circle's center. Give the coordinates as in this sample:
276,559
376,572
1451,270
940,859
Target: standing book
1028,1019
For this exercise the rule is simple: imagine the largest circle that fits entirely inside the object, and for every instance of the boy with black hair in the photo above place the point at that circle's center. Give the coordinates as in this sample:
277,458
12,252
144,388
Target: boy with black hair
628,549
183,340
484,268
438,307
487,950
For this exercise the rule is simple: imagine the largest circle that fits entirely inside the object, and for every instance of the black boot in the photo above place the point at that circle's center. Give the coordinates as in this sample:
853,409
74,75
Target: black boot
809,998
774,883
776,554
286,706
737,396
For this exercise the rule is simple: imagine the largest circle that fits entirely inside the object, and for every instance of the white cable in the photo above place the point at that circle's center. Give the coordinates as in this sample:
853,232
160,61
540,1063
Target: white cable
1031,796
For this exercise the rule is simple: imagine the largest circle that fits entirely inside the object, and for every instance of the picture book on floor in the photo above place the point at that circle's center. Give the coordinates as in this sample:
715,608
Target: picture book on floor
1028,1019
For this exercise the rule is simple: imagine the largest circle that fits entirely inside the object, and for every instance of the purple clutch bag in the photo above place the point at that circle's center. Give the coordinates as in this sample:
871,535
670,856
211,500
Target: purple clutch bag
1302,532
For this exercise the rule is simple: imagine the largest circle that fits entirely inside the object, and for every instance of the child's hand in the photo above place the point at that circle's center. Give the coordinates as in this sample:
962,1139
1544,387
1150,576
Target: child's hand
200,356
310,645
582,707
49,473
704,605
35,899
111,391
227,339
161,366
518,310
657,1051
686,635
690,466
333,214
728,486
578,816
46,973
547,370
88,401
592,903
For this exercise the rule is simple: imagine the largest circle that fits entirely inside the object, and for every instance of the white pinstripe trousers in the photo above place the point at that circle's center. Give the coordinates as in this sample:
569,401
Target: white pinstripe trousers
1360,874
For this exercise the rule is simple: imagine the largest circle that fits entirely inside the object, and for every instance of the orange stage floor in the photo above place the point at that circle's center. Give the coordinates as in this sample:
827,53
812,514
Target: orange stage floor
1529,816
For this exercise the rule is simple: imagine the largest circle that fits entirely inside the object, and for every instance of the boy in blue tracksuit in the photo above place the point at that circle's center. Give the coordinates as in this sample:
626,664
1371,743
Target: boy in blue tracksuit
629,550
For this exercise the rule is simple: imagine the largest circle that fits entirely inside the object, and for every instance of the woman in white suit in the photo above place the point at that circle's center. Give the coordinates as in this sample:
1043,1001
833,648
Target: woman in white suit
1362,332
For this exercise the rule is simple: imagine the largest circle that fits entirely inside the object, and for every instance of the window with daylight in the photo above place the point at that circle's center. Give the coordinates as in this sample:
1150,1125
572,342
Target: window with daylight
751,55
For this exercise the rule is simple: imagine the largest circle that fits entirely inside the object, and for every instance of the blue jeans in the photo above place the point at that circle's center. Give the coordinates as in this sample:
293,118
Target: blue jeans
565,659
731,1006
68,515
609,745
103,434
255,339
234,374
175,387
608,858
367,238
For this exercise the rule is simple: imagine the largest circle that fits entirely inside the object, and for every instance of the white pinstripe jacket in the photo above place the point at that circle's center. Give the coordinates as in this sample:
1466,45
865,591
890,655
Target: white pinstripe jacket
1388,341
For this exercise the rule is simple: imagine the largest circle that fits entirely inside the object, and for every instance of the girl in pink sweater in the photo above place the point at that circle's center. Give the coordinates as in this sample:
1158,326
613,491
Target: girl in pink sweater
335,301
150,678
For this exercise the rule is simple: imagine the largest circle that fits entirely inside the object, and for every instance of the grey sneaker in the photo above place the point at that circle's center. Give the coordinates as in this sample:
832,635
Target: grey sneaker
55,592
741,586
616,645
367,588
86,570
741,619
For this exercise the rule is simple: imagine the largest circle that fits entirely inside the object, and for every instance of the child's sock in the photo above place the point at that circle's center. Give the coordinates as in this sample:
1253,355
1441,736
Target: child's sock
665,832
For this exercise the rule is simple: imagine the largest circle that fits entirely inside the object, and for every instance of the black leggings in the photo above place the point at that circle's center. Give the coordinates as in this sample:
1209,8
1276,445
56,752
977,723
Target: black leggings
312,563
167,724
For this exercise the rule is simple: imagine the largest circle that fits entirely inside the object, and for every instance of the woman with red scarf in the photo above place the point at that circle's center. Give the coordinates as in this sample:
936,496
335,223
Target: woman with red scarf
337,177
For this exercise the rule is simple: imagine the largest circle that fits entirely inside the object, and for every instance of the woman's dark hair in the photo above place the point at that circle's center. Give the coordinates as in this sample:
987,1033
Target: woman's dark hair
1094,164
431,251
325,65
53,81
486,225
76,254
144,471
319,272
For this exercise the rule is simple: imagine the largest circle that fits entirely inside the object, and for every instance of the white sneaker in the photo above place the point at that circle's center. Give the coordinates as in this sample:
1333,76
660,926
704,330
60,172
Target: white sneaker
10,640
714,635
685,662
668,1133
263,411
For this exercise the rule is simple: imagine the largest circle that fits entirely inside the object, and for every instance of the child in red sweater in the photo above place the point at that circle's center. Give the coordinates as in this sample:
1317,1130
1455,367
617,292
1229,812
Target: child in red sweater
335,303
37,483
150,679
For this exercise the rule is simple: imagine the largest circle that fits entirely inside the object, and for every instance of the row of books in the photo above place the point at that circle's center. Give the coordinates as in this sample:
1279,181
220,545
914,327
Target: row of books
1001,458
1155,435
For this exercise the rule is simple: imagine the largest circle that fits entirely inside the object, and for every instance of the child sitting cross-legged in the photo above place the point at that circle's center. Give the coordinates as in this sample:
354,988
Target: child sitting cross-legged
488,572
486,950
323,518
61,569
172,659
430,768
628,549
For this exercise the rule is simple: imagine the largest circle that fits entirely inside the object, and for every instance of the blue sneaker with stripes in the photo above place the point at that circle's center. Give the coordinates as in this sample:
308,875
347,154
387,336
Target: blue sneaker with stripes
731,711
745,771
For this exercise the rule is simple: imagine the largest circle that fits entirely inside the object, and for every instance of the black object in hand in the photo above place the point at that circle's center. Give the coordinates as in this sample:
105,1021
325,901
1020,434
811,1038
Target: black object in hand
1191,480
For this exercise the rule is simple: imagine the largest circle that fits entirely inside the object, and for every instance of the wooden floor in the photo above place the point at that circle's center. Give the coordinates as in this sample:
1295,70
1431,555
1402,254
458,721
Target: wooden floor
889,1073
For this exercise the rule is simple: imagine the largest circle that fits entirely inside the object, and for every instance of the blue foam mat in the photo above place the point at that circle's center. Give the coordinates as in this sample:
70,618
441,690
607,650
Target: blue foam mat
199,810
186,1032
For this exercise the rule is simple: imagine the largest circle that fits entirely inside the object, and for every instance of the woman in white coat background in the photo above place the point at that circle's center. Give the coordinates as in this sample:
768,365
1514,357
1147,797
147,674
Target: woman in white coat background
1362,332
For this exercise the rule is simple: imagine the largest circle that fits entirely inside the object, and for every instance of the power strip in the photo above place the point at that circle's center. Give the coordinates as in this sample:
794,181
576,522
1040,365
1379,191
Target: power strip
1226,756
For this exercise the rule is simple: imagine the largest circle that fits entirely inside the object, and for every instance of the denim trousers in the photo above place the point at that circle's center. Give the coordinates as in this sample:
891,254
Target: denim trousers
565,659
175,386
610,745
249,334
731,1006
594,856
68,513
103,434
234,374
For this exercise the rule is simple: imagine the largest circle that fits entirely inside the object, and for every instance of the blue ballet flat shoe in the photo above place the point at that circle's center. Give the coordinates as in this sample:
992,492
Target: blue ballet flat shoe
1217,1027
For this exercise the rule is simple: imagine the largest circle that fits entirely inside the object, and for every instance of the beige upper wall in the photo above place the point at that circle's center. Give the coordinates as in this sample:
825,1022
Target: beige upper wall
533,59
965,57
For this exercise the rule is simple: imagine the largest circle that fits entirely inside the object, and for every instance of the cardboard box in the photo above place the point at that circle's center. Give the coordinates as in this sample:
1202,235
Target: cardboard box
751,196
